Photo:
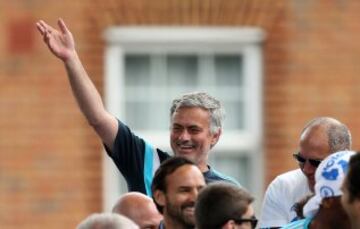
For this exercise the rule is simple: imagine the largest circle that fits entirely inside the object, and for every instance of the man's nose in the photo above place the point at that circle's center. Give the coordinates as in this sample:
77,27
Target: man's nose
308,168
193,194
184,135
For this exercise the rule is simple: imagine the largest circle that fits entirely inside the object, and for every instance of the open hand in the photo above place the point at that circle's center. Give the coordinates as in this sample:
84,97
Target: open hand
60,42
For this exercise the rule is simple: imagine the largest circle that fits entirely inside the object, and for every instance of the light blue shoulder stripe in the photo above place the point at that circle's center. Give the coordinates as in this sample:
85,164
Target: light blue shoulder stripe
300,224
228,178
148,168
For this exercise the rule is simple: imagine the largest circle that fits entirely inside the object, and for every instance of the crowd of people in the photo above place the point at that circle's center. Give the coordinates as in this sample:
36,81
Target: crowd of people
184,191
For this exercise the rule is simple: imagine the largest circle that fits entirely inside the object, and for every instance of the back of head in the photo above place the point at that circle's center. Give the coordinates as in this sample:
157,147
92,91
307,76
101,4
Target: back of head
107,221
338,134
139,208
166,168
203,101
131,202
219,202
352,183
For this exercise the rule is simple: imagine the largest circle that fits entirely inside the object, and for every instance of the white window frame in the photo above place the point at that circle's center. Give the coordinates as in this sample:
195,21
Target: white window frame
232,40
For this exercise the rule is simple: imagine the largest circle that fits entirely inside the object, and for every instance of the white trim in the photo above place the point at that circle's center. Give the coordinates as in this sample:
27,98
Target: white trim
156,161
111,174
183,35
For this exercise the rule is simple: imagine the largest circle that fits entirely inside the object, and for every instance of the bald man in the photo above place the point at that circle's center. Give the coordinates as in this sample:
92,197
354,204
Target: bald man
321,137
108,221
139,208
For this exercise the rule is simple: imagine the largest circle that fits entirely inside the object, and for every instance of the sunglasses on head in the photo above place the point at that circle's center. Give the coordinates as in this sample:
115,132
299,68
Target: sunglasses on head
302,160
253,221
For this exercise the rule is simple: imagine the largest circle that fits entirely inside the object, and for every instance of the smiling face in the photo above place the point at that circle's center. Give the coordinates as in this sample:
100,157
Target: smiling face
191,136
182,188
313,145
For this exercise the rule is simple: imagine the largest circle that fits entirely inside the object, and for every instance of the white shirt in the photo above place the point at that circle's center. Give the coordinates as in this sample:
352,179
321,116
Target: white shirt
281,195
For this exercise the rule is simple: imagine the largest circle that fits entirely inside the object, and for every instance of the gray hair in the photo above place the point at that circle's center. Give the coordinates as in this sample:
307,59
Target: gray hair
107,221
339,136
204,101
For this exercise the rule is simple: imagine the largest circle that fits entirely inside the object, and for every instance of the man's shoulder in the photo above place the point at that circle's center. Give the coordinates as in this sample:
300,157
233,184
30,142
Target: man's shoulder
292,184
290,178
162,155
292,173
212,176
285,190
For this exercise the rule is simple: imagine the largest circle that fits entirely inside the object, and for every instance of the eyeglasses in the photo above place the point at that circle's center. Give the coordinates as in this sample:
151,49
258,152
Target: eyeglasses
302,160
253,221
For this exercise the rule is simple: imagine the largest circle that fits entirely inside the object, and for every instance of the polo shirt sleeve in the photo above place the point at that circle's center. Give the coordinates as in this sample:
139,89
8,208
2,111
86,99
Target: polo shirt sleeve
128,154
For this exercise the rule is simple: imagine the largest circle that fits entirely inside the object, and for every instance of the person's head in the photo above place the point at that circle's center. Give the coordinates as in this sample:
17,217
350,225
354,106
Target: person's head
107,221
329,178
139,208
223,205
196,125
319,138
351,190
175,189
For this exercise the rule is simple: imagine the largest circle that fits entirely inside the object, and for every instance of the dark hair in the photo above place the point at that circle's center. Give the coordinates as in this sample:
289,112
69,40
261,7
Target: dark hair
166,168
219,202
352,181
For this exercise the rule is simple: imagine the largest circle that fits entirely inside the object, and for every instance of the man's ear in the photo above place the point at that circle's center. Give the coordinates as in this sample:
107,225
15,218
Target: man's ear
216,137
159,197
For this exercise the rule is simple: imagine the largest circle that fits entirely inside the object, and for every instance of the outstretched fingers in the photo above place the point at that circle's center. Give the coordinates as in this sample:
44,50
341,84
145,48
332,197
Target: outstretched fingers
62,26
40,26
44,28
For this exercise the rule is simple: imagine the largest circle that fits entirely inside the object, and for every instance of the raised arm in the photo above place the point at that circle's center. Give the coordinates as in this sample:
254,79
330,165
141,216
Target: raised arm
62,45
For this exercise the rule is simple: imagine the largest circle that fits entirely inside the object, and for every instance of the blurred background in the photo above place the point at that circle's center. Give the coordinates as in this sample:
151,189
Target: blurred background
274,64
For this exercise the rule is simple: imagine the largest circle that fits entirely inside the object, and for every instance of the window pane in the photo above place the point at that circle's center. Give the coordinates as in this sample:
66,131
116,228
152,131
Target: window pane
234,115
228,70
158,115
152,80
182,70
142,115
135,117
137,70
232,164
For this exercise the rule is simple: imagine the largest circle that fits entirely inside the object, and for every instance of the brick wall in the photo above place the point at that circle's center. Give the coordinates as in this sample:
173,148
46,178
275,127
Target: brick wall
50,165
311,58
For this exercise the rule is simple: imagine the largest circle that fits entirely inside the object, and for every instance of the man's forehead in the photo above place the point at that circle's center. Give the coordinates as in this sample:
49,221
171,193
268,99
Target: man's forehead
188,112
185,175
314,137
317,131
186,170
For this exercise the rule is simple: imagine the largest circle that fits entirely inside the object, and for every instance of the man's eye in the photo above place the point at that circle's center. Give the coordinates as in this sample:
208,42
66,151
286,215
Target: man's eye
194,130
184,190
176,128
